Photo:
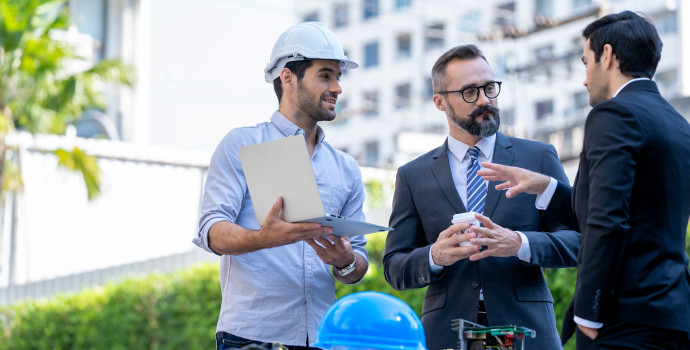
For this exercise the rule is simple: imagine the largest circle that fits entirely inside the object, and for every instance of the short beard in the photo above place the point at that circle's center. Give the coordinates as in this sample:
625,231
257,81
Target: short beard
484,128
311,106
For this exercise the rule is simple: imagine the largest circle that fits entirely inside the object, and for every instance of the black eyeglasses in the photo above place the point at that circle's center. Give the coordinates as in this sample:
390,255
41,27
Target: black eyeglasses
471,94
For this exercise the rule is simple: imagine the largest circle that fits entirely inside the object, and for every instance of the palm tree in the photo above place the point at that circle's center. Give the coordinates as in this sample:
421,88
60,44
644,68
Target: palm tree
38,94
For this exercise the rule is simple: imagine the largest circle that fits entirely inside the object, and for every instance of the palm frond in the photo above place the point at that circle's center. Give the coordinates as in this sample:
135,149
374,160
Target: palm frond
87,165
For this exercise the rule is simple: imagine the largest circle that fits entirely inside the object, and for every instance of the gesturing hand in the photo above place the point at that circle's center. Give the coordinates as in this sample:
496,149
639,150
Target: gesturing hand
499,241
516,180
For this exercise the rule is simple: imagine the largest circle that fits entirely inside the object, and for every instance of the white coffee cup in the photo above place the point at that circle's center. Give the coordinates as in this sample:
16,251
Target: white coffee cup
468,218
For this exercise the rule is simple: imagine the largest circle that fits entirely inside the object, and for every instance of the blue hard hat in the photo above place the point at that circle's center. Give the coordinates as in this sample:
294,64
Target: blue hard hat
371,320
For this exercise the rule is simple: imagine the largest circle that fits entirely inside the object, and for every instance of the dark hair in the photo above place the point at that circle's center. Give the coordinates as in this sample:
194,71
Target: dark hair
462,52
634,41
297,68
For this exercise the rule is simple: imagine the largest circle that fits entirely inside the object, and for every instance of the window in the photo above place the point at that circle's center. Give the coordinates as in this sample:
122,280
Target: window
340,15
402,95
506,15
312,17
666,23
544,109
578,4
507,117
370,9
404,42
371,54
428,89
470,22
343,72
91,20
544,52
581,100
434,36
667,81
402,3
567,142
371,153
543,7
341,107
370,103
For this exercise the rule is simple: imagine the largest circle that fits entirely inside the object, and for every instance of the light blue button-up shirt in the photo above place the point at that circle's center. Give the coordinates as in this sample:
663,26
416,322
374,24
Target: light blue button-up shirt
281,293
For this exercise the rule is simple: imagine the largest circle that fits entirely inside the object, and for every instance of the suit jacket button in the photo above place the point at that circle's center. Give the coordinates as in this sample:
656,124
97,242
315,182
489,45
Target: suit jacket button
422,279
475,284
595,308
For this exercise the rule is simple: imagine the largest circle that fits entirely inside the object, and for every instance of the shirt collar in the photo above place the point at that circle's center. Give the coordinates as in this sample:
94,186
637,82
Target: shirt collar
459,149
288,128
626,84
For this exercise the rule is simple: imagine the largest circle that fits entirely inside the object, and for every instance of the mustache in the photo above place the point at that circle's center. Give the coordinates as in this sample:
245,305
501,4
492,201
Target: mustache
484,109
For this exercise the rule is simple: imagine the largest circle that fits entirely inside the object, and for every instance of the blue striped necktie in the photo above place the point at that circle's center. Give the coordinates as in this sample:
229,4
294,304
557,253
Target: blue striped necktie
476,188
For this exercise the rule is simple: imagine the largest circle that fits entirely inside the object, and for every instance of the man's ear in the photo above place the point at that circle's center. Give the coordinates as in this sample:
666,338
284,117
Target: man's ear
287,78
438,102
608,58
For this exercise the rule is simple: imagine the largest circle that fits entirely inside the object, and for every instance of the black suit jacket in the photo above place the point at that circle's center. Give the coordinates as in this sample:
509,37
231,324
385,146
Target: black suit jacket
632,201
515,292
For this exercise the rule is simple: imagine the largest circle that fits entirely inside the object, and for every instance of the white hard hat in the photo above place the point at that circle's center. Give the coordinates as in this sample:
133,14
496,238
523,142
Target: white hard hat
305,41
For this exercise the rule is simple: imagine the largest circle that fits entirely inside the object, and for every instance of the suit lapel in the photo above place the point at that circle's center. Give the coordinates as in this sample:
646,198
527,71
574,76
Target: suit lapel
503,154
441,170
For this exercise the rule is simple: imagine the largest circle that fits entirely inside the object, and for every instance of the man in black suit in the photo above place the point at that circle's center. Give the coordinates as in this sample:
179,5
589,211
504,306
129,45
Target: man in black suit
631,197
502,284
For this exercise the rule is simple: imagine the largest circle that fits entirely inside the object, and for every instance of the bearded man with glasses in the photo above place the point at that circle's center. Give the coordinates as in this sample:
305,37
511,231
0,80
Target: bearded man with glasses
488,274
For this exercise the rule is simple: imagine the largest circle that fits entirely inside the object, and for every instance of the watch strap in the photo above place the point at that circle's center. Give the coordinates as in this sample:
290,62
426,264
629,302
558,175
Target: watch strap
347,269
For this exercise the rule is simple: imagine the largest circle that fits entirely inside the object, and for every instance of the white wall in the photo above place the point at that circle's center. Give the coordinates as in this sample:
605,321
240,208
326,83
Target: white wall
148,208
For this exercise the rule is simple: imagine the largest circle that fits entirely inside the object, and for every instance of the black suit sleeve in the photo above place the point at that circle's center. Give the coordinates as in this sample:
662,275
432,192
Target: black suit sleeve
612,138
561,206
557,242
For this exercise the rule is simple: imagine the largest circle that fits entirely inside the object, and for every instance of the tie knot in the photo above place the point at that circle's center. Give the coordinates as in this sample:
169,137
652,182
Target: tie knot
473,152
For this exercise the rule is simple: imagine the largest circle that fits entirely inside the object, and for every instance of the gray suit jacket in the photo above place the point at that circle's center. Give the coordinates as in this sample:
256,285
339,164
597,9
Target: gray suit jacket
515,292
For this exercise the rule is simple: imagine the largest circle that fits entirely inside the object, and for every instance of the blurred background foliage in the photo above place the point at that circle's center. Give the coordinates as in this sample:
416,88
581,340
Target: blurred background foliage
45,85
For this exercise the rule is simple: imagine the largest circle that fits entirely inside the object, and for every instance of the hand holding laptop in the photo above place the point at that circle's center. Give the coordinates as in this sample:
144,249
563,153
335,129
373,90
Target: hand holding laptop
276,231
282,168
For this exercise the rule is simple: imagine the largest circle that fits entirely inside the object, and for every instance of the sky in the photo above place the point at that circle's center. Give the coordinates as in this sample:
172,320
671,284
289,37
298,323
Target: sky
206,73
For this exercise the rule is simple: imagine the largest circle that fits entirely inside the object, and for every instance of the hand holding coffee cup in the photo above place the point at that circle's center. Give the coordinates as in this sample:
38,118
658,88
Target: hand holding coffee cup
468,218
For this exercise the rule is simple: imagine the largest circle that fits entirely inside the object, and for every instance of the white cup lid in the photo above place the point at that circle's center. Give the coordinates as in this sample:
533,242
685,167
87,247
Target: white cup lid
464,217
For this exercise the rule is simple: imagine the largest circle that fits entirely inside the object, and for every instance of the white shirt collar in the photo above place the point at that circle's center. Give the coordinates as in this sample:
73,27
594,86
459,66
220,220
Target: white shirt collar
626,84
459,149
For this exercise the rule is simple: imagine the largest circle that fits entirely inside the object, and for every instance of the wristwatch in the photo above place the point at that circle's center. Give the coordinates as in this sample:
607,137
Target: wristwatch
347,269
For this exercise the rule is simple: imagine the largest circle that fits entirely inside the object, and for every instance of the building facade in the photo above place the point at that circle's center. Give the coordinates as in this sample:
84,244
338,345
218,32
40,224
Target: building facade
386,114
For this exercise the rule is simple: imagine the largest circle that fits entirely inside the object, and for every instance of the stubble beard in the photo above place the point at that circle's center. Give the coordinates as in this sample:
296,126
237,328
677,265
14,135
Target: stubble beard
312,107
598,88
597,96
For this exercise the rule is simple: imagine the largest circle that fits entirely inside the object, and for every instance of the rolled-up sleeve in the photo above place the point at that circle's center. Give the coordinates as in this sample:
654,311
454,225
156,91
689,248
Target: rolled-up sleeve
224,189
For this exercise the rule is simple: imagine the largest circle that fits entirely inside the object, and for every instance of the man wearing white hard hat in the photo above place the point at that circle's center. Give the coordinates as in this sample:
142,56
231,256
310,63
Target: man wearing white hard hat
277,280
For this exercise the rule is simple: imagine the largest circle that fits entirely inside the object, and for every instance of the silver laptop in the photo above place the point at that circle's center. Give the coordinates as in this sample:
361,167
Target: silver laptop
282,168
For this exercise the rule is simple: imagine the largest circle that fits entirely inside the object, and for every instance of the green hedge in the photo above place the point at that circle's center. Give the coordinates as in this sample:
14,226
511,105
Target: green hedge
177,310
173,311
